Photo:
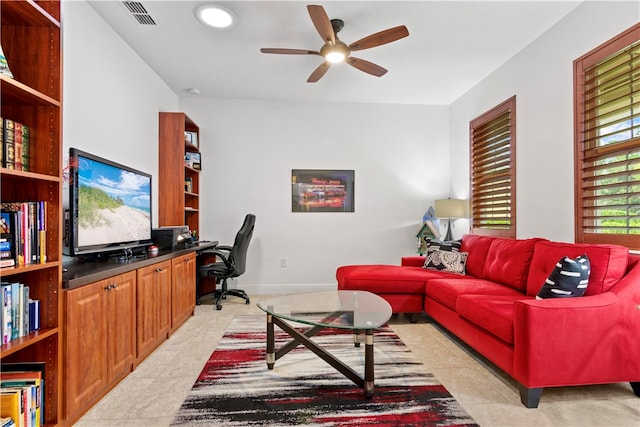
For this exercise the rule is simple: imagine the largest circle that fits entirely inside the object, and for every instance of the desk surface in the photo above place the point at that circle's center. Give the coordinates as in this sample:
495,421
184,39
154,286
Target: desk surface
78,273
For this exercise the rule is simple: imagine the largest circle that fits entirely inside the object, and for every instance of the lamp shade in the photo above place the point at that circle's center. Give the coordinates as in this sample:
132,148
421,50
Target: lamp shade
452,208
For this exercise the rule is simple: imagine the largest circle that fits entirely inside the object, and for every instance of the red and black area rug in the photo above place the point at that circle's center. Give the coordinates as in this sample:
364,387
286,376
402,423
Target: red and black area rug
235,388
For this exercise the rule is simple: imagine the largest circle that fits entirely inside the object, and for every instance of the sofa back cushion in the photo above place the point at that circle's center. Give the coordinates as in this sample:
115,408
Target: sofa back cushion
608,264
477,247
508,262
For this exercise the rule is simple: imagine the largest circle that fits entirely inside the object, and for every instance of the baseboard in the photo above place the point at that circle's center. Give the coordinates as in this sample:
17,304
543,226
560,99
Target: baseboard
280,289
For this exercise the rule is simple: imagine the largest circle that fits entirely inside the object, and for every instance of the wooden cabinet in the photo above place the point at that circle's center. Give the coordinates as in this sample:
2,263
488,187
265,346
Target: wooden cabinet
180,205
113,323
30,35
183,289
99,344
153,312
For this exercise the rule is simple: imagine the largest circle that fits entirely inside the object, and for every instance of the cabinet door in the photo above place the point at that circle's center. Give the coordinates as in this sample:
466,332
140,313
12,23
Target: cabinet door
153,303
86,346
163,296
183,291
121,325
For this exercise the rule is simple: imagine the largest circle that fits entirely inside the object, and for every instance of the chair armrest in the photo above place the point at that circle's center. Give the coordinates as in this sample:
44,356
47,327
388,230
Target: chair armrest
412,261
223,255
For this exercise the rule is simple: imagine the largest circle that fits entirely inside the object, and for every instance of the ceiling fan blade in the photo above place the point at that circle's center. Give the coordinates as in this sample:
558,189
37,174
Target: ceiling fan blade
319,72
380,38
289,51
366,66
322,23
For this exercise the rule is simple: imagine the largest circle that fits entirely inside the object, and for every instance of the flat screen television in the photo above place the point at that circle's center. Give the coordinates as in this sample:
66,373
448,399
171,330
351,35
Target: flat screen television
109,206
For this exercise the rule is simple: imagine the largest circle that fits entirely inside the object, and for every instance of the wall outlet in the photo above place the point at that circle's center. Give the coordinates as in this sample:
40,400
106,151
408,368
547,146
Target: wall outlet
283,262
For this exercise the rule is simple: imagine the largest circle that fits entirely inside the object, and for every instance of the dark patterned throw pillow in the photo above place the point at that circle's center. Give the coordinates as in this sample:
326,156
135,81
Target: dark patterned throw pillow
569,278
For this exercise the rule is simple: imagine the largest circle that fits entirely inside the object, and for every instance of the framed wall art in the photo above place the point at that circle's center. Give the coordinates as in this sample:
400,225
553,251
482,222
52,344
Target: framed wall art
322,190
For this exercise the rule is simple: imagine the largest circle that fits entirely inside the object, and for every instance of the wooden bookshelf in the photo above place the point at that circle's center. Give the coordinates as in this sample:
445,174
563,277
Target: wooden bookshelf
31,40
178,205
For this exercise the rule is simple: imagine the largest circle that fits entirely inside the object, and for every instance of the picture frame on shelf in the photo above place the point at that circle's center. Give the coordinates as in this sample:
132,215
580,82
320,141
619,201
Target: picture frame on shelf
191,138
193,159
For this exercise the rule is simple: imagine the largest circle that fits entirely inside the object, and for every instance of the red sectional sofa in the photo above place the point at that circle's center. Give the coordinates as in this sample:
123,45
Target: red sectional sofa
593,339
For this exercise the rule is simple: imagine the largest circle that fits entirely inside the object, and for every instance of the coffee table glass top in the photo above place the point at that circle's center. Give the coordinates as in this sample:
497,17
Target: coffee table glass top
354,310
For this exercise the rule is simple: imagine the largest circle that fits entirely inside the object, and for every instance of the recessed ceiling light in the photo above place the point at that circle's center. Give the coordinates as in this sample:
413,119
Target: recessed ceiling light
215,16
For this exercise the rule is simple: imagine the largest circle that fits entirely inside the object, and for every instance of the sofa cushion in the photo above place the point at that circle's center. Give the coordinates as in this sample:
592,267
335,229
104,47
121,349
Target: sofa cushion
477,247
494,314
386,279
446,292
608,264
569,278
508,262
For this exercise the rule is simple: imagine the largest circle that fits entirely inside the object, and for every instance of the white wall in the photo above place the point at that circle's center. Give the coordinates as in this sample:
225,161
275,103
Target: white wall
111,97
400,158
541,77
399,154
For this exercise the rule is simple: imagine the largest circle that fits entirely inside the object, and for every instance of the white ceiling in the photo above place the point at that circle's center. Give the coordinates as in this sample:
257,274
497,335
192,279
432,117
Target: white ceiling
452,45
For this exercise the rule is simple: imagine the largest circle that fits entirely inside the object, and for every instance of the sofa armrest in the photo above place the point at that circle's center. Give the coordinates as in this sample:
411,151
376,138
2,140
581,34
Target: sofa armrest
412,261
572,341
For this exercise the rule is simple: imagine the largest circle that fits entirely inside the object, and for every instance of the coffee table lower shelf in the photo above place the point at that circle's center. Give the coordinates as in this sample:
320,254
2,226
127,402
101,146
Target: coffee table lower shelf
366,383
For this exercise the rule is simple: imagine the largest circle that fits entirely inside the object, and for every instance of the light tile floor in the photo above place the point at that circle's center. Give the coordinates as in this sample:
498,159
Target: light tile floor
153,393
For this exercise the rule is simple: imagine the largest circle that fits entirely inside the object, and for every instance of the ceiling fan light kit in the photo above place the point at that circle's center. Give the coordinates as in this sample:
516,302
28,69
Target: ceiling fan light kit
334,50
216,16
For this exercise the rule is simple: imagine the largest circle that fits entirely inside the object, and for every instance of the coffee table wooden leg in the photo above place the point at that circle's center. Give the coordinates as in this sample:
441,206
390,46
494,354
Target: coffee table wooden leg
271,357
368,364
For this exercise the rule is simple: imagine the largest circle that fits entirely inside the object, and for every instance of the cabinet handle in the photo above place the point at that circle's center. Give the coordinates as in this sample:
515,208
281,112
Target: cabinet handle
158,270
111,286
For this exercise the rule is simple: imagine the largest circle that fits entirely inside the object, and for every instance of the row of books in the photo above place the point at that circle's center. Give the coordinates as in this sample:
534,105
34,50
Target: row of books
20,314
23,232
22,394
16,143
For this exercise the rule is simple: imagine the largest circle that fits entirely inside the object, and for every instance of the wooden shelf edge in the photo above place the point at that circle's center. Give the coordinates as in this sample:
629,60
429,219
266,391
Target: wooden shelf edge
30,175
21,343
188,193
13,89
10,271
36,15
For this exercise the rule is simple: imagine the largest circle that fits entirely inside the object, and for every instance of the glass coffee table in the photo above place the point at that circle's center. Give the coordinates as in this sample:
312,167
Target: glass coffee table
356,311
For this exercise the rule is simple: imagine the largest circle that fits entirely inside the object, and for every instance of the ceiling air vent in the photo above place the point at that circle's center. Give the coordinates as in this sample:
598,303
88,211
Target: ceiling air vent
139,12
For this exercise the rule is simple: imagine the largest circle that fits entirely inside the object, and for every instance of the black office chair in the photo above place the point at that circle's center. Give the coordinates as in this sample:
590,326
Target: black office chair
233,263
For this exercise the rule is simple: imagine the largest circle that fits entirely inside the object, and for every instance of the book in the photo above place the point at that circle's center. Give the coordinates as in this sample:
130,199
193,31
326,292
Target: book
4,65
31,366
17,143
6,313
26,147
34,315
32,381
11,405
8,136
1,142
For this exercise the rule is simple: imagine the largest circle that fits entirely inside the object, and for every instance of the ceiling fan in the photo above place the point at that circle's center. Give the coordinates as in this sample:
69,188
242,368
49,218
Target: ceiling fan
335,50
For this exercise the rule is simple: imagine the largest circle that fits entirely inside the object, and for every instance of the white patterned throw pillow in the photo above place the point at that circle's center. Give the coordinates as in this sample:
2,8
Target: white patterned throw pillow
441,260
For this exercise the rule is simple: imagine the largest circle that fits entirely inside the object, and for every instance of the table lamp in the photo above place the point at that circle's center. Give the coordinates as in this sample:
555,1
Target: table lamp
451,208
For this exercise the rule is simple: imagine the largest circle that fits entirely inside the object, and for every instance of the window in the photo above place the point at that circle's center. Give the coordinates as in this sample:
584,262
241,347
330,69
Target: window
607,142
493,171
